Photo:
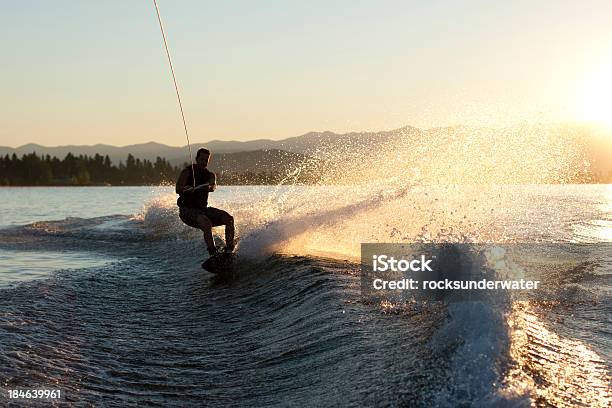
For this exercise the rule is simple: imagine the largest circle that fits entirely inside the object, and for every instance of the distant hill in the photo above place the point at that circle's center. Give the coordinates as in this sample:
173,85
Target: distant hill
304,144
265,161
266,152
143,151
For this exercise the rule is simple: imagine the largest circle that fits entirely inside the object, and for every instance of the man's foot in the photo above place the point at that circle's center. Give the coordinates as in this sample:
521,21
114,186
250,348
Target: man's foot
212,251
229,249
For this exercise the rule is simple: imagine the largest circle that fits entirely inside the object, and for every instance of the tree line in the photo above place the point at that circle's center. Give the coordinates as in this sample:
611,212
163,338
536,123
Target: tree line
34,170
84,170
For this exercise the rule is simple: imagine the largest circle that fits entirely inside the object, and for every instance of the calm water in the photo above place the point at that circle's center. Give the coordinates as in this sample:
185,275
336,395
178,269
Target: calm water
25,205
101,294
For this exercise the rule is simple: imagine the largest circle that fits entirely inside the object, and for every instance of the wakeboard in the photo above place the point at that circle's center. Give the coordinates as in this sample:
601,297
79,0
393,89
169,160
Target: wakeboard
219,263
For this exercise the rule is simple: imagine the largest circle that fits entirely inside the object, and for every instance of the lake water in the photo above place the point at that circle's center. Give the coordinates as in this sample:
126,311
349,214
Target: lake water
101,294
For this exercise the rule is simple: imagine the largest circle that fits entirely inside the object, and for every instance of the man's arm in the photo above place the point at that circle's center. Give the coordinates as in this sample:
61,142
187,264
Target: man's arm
212,181
182,181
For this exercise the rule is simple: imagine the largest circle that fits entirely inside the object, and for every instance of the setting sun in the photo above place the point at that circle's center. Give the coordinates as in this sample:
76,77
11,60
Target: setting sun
593,102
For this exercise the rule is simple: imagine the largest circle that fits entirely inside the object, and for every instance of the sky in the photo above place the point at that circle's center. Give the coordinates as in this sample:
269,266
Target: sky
87,72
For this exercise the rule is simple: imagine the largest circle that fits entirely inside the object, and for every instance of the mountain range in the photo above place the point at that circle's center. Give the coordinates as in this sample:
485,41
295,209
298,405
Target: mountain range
304,144
264,152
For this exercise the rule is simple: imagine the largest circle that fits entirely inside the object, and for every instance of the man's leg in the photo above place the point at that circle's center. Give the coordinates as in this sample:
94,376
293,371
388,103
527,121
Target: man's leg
219,217
206,226
229,232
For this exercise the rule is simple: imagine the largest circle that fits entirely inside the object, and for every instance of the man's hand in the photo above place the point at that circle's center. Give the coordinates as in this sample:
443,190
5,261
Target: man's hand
205,186
212,181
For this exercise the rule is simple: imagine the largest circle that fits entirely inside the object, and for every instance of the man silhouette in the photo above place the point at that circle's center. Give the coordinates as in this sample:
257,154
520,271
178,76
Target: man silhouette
193,202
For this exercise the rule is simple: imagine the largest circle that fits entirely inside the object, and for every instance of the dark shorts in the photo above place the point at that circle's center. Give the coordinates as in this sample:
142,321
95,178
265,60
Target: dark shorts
190,215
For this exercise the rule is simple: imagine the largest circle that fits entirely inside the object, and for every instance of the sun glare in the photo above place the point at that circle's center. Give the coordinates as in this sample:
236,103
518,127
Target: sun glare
594,99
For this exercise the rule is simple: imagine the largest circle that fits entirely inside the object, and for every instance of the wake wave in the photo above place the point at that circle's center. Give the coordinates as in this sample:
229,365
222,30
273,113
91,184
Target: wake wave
274,236
299,315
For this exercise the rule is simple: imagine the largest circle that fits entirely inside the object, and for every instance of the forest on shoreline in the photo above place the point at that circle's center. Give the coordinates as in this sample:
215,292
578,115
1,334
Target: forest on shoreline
97,170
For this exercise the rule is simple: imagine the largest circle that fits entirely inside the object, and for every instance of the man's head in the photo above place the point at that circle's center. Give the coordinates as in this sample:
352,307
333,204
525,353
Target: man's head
202,157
